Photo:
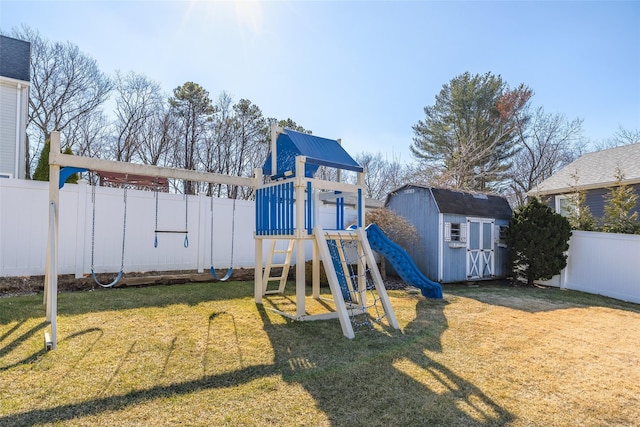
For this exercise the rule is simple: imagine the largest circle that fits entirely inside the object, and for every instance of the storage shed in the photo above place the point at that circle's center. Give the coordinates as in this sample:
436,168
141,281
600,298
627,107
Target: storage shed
462,234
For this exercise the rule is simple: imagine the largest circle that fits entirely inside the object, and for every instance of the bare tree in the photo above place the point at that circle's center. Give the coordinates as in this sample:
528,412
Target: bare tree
236,144
89,135
382,175
216,152
548,143
157,138
251,141
66,86
138,101
621,137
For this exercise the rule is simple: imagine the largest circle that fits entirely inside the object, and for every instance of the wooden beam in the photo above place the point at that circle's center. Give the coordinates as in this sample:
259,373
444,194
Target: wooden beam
59,159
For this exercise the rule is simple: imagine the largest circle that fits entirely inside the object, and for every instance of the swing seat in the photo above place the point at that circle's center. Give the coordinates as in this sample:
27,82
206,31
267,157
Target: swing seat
109,285
221,279
186,236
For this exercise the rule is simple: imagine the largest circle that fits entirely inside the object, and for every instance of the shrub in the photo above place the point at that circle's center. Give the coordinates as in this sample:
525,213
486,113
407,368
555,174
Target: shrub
538,239
579,214
619,216
395,226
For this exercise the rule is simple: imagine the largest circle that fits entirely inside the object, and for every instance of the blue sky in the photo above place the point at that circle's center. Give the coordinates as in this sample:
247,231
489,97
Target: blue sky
363,70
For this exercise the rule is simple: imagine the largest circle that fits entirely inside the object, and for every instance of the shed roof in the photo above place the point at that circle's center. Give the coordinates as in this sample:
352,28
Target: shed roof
15,58
448,201
319,152
594,170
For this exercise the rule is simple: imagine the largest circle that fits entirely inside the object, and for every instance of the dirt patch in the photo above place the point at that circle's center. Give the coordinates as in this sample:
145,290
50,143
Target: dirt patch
11,286
27,285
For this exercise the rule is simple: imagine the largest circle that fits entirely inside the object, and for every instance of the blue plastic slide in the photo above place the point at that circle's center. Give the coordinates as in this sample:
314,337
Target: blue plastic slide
402,262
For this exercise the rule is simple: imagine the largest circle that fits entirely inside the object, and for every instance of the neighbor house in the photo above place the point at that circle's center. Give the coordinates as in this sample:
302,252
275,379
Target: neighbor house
595,174
15,58
462,234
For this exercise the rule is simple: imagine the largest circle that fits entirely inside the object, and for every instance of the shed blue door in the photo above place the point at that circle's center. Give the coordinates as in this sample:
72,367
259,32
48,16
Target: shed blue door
480,255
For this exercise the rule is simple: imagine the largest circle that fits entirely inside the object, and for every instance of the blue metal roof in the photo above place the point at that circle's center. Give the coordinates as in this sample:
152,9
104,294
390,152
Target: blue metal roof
319,152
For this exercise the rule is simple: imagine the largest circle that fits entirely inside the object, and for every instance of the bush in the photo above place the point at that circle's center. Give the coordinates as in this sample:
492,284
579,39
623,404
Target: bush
619,214
538,239
395,226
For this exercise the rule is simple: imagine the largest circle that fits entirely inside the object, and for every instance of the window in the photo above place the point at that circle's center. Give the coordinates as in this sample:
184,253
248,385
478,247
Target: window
501,235
564,203
455,232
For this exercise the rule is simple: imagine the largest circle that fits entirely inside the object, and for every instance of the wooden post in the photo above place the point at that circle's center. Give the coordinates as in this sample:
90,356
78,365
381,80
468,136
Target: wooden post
300,233
51,266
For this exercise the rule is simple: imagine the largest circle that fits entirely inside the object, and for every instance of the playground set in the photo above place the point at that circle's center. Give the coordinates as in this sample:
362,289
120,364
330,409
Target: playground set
287,200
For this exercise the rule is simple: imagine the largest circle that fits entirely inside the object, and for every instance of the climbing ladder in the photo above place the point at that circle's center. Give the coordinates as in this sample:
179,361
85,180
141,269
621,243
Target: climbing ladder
353,277
284,266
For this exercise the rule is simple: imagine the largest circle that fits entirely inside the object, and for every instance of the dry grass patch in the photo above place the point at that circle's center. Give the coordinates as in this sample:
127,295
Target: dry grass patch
205,354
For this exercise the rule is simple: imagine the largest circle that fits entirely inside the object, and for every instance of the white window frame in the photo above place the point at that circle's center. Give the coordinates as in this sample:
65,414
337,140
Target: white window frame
563,198
448,235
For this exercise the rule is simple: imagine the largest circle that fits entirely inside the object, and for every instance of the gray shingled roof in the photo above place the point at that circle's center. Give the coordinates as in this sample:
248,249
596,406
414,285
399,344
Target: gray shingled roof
594,170
15,59
471,204
483,205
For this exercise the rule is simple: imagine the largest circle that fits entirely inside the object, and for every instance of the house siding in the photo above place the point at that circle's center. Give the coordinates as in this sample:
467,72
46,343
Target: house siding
596,200
8,111
15,58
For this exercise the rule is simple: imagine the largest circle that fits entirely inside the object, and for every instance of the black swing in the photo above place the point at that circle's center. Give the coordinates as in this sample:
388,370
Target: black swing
233,227
186,221
93,239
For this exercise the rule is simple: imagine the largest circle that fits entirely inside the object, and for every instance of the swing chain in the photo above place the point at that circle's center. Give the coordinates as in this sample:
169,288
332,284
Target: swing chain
124,227
156,194
93,223
186,217
93,228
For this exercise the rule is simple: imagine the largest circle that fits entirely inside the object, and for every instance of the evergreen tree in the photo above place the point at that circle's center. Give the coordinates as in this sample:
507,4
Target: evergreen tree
470,133
619,214
538,239
42,169
579,214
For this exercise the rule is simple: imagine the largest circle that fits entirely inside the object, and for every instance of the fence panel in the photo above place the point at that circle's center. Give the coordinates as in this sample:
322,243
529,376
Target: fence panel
604,264
24,220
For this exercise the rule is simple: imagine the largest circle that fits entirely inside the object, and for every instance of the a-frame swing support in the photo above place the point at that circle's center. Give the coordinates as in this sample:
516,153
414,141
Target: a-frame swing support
57,160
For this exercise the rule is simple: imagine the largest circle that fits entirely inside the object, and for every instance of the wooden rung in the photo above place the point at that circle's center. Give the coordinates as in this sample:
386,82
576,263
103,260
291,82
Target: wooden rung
271,279
278,265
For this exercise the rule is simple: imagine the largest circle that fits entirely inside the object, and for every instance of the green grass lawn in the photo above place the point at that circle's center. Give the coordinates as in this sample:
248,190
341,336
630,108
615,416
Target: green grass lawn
206,354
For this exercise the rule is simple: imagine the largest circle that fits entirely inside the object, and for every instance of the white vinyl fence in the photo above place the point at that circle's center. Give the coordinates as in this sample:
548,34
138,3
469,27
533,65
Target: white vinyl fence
24,219
604,264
